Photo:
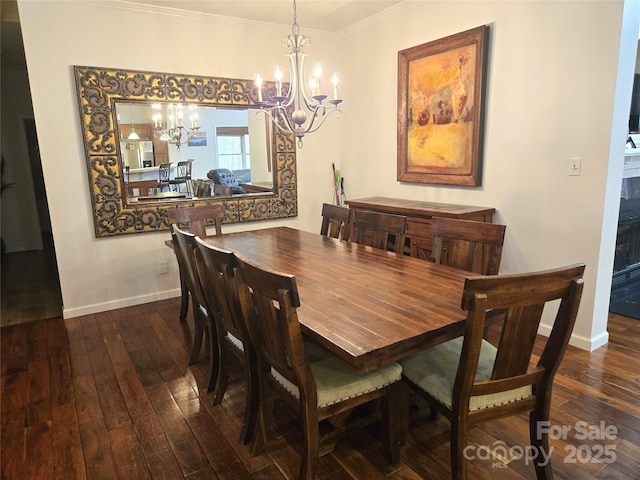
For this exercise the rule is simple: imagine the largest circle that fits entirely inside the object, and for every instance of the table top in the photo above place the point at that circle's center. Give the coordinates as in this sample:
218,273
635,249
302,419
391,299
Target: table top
367,306
417,207
162,196
143,183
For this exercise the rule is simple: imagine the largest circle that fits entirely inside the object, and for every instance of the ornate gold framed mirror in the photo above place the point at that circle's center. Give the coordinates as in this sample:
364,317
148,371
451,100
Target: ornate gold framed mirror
105,93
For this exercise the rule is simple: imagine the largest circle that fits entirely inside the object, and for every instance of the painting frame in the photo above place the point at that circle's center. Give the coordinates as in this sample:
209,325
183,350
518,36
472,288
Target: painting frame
199,139
441,96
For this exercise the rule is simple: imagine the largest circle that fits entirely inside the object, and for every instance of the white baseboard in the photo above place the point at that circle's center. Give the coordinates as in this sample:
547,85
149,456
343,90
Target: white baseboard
123,302
580,341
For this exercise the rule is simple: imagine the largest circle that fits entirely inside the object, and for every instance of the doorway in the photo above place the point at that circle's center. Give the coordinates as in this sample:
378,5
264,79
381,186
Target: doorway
30,284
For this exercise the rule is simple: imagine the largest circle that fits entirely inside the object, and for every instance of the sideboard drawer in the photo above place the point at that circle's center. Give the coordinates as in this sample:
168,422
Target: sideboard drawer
418,227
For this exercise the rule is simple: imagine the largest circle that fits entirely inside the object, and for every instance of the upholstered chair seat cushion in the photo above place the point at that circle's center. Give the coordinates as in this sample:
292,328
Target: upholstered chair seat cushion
434,371
336,382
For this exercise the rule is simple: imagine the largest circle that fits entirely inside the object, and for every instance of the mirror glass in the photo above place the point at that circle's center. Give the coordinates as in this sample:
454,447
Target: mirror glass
213,138
127,193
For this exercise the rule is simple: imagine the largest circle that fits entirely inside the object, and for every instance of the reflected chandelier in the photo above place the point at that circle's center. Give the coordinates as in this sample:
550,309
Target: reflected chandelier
173,128
308,106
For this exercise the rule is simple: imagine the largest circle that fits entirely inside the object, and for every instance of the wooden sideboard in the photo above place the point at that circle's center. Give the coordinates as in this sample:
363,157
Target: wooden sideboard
418,241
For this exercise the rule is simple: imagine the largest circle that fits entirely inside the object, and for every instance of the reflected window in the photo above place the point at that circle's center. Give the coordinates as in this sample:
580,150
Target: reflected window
233,148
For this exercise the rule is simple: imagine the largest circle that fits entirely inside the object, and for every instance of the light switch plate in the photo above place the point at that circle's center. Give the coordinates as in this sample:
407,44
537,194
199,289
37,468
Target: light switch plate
575,166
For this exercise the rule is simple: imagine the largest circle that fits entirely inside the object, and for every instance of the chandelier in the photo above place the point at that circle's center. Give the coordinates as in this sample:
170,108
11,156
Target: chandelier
172,130
309,110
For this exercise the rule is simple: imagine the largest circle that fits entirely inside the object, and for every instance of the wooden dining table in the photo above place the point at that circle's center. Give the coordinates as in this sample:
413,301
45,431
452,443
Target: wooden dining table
367,306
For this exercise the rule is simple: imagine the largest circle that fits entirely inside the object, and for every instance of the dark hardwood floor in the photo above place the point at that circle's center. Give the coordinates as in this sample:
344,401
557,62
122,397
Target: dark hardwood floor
110,396
30,285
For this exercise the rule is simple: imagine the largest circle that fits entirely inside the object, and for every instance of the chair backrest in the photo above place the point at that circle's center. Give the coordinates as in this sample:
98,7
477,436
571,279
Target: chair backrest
203,188
183,170
522,297
164,171
184,246
216,269
335,221
374,228
269,300
196,218
472,246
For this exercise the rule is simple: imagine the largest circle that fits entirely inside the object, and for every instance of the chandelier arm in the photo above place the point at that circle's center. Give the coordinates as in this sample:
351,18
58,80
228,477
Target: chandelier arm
287,128
308,125
283,119
268,113
323,119
307,96
190,135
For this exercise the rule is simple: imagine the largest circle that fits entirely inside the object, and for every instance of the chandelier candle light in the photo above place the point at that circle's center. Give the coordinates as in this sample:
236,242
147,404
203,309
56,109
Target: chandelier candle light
172,130
307,102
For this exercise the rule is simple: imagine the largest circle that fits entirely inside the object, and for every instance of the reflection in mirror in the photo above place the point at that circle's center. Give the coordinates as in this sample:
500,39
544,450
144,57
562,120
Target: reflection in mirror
227,138
115,159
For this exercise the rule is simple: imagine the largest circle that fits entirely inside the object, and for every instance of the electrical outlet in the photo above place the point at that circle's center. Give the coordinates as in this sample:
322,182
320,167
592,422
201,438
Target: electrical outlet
163,267
575,166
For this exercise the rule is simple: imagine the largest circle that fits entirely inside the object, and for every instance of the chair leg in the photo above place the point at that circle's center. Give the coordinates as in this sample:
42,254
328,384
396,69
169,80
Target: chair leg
252,399
311,449
198,328
394,414
459,429
222,378
184,300
539,439
264,415
214,355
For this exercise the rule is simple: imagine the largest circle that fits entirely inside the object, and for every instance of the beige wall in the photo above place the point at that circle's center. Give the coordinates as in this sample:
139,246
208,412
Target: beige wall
551,95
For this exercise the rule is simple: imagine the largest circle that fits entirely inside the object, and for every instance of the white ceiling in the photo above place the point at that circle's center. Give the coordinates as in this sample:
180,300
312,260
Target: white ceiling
329,15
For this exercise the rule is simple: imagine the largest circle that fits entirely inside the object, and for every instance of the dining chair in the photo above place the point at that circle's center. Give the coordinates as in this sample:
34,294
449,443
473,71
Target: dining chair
164,172
183,176
469,380
202,317
375,228
335,221
216,269
470,245
312,382
194,219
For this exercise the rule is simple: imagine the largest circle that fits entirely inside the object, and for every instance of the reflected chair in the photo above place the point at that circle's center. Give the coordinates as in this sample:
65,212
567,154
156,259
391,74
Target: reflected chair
375,229
203,188
335,221
310,381
128,188
222,190
202,316
194,219
183,176
226,178
471,381
216,269
470,245
164,172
